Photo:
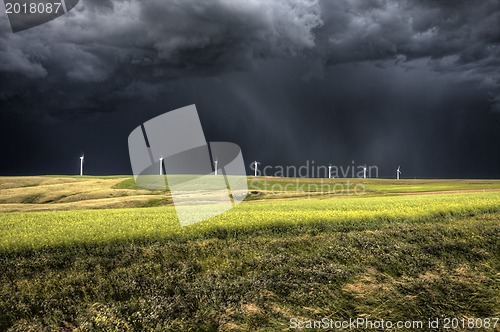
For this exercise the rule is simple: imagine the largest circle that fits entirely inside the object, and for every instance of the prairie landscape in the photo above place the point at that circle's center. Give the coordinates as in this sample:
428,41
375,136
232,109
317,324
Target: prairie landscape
99,253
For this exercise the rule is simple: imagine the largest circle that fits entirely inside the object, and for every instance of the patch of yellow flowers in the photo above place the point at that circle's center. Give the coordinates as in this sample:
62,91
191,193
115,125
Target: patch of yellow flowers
36,230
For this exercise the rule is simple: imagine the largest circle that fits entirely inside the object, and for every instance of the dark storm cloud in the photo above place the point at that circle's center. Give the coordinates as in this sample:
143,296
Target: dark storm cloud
106,56
98,37
120,42
459,37
127,45
371,30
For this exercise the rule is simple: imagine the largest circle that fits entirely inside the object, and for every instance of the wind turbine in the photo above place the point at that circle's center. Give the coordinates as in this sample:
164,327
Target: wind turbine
216,162
161,165
330,171
364,172
81,164
256,167
398,172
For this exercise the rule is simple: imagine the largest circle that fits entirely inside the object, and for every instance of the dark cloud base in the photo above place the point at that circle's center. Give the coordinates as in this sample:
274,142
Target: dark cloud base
415,83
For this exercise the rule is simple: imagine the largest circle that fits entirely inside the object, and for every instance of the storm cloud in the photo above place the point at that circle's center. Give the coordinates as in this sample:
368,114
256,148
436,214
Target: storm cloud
123,42
348,79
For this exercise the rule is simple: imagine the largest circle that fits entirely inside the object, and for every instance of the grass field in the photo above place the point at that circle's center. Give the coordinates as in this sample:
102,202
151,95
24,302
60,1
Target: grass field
98,253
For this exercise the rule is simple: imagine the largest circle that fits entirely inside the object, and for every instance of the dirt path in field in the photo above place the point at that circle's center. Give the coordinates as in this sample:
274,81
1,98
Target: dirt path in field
449,192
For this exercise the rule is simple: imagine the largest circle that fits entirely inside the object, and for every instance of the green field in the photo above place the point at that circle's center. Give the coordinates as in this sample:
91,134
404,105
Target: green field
98,253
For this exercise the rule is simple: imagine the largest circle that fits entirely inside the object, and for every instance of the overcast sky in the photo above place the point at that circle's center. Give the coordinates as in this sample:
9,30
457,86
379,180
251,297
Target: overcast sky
414,83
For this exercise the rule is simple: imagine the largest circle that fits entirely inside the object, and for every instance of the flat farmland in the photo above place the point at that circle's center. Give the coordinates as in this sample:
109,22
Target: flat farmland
98,253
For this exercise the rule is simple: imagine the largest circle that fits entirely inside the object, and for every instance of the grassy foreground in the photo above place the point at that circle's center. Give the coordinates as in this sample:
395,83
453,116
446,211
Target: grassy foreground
379,255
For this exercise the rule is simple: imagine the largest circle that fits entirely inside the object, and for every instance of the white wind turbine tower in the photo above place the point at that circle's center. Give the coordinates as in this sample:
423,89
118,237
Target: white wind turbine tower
256,167
81,164
161,165
398,172
216,162
330,171
364,172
